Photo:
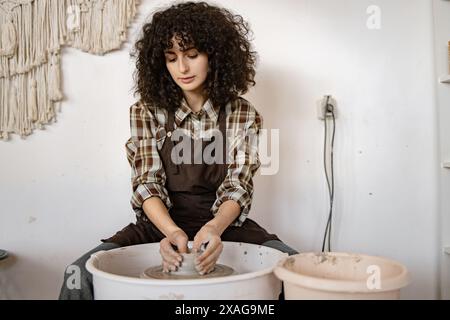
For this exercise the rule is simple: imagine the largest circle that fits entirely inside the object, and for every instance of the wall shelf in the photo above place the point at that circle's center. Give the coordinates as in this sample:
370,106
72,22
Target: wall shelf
445,79
446,165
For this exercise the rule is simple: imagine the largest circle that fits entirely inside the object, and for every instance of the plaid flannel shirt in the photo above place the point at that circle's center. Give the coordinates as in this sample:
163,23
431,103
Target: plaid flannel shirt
147,124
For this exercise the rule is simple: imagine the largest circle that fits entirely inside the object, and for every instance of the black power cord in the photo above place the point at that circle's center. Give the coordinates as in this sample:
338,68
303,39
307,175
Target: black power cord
329,109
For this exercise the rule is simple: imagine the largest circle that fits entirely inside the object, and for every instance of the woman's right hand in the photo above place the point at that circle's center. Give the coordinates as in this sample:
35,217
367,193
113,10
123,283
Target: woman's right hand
171,258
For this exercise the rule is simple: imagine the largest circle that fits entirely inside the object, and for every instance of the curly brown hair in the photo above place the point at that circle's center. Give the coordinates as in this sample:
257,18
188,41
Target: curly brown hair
222,35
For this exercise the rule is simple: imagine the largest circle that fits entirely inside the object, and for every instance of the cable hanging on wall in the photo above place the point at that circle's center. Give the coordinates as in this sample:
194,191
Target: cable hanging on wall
327,112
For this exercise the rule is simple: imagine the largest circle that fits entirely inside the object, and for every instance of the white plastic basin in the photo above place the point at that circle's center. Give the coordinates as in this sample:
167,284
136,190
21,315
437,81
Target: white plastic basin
339,275
116,275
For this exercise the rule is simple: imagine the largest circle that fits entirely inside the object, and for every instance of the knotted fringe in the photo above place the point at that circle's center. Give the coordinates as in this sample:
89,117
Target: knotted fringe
31,36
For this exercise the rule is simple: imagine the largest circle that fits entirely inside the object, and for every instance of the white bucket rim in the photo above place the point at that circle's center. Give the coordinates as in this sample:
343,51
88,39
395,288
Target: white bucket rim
334,285
91,266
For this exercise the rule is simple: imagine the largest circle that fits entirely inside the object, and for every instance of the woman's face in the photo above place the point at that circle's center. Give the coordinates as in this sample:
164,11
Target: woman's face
188,68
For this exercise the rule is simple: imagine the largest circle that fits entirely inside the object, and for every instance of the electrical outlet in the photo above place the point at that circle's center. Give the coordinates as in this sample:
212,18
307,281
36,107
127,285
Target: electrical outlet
325,111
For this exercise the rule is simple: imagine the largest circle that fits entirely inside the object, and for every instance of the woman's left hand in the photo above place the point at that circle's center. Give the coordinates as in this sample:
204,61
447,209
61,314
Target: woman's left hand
207,260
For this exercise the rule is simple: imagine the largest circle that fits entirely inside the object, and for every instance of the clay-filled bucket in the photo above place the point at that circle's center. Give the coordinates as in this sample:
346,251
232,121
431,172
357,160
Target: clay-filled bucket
116,274
339,275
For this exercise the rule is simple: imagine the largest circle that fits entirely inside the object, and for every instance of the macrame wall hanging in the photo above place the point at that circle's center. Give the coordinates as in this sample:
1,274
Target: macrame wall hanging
32,33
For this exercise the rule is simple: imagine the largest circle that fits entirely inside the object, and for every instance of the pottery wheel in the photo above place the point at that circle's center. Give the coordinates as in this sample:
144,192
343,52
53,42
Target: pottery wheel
156,272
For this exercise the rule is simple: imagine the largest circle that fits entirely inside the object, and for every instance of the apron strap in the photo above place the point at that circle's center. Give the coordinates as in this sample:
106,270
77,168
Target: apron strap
169,131
223,129
170,120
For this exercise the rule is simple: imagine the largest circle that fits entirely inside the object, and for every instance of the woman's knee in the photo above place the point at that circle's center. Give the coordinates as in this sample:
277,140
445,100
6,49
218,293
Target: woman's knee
80,263
279,245
77,279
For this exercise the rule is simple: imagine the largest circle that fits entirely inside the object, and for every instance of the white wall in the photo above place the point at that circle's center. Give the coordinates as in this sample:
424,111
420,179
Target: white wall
441,11
66,187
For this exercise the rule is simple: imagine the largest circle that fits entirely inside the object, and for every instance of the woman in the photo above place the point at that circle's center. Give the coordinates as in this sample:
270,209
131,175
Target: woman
193,62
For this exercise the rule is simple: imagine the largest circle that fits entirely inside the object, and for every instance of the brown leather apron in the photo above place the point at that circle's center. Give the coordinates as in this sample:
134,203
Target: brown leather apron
192,189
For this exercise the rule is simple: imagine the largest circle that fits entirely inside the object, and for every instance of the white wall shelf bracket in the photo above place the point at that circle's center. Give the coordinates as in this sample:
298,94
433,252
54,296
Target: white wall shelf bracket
444,79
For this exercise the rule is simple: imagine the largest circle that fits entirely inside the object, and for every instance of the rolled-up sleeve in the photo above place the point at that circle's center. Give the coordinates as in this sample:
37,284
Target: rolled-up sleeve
147,172
243,163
